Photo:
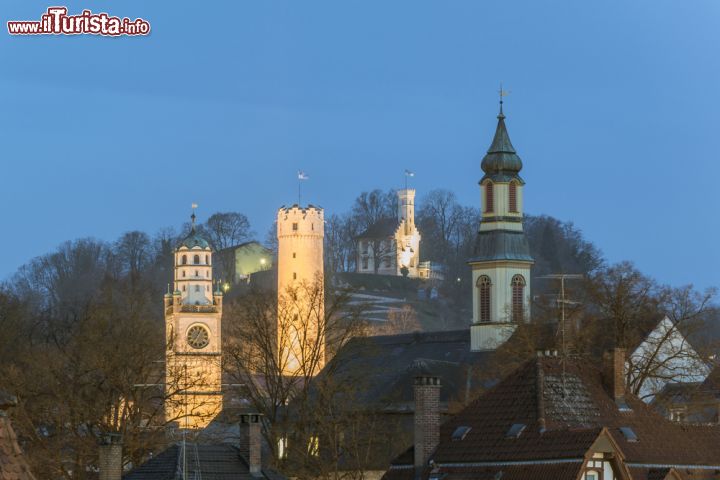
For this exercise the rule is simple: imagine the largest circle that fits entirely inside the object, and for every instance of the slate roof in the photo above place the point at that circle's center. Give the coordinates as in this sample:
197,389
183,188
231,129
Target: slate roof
381,229
501,162
493,245
211,462
13,465
565,408
387,365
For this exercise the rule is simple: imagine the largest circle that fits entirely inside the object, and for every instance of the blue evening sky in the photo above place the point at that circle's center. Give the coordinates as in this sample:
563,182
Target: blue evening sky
614,109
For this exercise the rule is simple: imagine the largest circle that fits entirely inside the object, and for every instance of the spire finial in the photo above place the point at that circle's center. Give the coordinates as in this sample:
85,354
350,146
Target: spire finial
502,93
192,217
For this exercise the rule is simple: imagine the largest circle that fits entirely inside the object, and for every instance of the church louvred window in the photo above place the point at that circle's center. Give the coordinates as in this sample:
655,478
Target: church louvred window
518,297
483,286
512,197
489,197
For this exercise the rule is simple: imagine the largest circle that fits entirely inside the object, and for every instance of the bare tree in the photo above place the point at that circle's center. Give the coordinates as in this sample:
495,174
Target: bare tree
226,229
276,348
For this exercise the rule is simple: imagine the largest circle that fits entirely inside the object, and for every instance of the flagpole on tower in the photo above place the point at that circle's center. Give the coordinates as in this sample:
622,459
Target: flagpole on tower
301,176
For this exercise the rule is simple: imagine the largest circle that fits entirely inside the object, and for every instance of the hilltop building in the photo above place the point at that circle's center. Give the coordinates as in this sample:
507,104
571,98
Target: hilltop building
241,261
501,263
193,312
300,276
392,244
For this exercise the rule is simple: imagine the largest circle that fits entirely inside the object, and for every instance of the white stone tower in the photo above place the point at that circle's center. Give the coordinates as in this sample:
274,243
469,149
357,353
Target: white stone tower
193,330
301,311
501,263
407,237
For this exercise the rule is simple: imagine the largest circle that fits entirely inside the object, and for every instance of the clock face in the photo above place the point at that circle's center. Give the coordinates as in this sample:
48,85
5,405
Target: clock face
198,336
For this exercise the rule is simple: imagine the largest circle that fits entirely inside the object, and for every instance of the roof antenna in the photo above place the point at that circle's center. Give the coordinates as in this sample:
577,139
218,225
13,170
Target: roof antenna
192,217
503,93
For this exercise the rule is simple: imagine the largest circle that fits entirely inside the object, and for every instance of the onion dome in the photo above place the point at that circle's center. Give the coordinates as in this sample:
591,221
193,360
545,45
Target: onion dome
194,239
501,164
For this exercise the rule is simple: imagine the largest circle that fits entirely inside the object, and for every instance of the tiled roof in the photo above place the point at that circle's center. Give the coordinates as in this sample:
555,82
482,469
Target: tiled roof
564,407
209,462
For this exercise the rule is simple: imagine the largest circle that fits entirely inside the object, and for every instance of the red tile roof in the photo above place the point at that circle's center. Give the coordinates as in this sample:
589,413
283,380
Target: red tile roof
569,400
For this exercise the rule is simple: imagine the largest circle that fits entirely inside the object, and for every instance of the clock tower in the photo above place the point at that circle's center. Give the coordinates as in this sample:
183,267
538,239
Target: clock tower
193,374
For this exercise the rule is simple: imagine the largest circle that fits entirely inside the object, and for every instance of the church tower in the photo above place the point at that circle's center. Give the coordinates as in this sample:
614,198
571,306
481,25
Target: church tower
501,263
193,375
301,308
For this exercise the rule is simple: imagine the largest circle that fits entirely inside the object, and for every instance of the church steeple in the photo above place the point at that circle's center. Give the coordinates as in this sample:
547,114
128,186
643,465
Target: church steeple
501,262
501,162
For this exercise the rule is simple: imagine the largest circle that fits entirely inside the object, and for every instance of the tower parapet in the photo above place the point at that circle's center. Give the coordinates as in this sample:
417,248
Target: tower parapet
301,336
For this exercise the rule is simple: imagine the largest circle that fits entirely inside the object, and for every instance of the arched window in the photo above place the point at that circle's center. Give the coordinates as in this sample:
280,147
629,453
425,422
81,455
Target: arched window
512,197
483,286
489,197
196,259
518,298
207,259
184,259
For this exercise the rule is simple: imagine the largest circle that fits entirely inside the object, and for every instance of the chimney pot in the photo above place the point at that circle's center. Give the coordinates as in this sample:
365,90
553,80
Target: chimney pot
250,444
110,457
426,418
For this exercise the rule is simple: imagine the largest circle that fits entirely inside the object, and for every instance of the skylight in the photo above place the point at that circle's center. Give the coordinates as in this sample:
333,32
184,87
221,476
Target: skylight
460,432
629,434
515,430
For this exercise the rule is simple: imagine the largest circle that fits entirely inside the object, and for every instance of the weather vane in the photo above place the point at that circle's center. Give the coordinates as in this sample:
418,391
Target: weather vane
192,217
502,93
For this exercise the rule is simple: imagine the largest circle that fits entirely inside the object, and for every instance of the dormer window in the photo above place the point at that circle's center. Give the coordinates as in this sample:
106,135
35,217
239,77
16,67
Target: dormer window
512,197
489,198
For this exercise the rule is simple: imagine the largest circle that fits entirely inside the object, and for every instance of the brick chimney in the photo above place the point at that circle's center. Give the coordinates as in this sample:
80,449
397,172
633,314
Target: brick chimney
427,418
250,443
110,461
614,373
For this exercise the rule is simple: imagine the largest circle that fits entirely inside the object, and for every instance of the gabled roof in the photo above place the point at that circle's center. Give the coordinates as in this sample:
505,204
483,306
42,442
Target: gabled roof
209,462
383,228
564,406
386,366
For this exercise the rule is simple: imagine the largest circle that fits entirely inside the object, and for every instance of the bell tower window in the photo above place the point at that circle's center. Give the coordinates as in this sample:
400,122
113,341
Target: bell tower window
196,259
489,198
512,197
518,298
483,286
184,260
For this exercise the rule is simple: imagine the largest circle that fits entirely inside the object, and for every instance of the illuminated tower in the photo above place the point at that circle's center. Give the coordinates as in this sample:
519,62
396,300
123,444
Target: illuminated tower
301,311
192,326
407,236
501,263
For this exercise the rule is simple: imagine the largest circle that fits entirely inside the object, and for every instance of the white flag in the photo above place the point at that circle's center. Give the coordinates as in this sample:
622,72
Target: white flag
302,176
409,173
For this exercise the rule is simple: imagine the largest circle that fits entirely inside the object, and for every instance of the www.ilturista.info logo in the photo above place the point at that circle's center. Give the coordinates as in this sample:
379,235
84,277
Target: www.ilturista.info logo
57,22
